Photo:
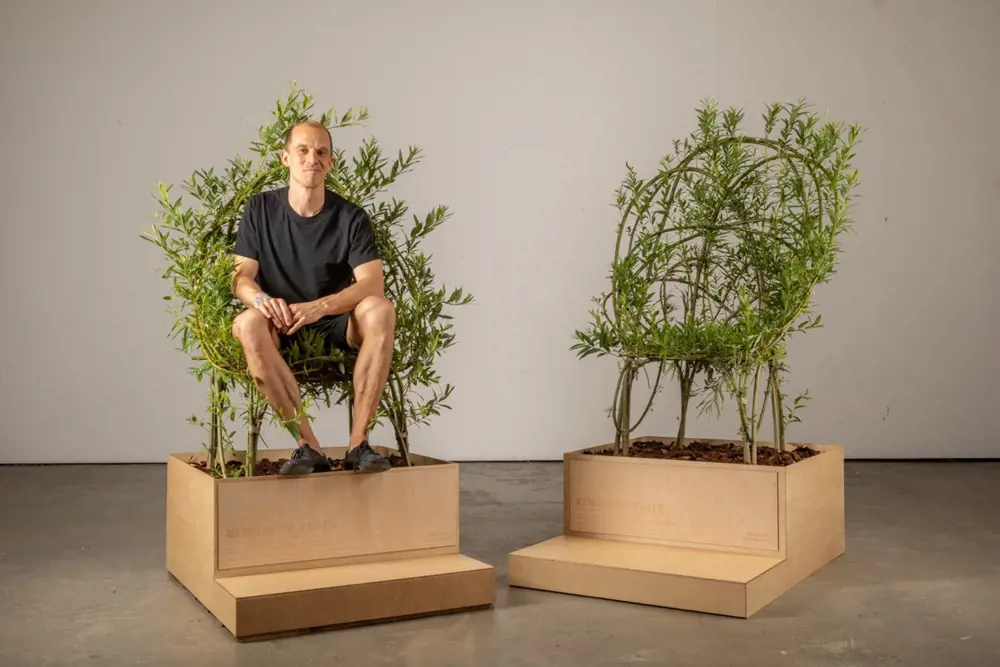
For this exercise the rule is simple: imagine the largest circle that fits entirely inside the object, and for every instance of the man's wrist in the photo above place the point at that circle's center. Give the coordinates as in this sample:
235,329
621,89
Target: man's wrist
260,298
327,304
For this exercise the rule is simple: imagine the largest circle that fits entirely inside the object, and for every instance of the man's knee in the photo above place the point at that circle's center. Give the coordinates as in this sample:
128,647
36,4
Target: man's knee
372,319
378,315
252,327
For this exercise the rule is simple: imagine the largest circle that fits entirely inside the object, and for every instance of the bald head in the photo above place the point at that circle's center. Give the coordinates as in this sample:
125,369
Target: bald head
307,124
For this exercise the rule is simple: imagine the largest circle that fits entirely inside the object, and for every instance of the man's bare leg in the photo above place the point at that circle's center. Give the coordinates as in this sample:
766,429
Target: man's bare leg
273,377
371,330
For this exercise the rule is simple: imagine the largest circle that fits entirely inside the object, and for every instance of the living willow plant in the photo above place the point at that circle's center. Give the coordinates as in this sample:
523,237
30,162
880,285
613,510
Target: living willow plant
423,325
716,260
197,242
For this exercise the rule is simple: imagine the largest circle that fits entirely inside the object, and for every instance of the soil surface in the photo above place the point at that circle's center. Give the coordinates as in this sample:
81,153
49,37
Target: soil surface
697,450
267,468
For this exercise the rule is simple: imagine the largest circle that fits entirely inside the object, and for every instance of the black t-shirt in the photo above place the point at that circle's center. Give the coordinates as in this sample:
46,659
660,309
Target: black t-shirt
304,259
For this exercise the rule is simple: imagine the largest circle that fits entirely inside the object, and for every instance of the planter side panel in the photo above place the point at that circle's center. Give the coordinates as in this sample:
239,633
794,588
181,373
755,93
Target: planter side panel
680,503
190,538
271,522
814,497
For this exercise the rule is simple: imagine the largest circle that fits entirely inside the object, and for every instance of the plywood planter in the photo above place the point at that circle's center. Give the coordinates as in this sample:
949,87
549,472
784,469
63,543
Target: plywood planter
270,554
723,538
717,258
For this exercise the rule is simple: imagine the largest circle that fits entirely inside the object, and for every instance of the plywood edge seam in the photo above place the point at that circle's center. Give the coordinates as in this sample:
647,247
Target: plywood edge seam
222,575
215,529
341,587
188,458
641,570
322,563
333,474
669,544
269,636
582,457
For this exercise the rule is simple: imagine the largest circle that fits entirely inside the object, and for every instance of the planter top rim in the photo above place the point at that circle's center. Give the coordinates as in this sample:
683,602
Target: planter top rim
582,455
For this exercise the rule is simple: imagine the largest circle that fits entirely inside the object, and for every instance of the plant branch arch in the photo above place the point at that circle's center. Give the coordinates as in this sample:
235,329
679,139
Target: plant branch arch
716,260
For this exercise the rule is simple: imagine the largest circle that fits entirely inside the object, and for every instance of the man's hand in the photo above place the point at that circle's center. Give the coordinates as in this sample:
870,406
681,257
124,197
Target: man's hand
277,311
250,294
305,313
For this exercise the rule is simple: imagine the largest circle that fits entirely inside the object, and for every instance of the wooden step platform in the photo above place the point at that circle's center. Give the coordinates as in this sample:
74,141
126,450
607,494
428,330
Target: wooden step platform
705,580
346,555
711,537
264,605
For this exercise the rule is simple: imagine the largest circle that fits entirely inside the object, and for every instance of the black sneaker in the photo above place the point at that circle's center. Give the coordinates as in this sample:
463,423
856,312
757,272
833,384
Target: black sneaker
305,460
365,459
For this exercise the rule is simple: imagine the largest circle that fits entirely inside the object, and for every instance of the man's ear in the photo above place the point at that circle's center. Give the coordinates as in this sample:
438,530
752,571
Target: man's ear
284,157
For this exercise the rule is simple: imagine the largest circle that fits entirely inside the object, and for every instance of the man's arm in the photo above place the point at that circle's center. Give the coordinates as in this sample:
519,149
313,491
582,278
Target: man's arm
246,289
369,282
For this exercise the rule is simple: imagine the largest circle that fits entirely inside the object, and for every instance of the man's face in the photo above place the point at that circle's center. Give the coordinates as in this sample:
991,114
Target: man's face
308,156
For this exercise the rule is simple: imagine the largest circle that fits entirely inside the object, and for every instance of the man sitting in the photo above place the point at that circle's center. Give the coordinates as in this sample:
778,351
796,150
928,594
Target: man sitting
306,259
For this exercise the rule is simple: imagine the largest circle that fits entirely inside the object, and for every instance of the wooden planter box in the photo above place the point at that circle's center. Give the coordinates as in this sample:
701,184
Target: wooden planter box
269,555
719,538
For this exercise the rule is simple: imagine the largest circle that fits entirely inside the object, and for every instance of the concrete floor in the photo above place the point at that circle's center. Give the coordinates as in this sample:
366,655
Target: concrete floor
82,581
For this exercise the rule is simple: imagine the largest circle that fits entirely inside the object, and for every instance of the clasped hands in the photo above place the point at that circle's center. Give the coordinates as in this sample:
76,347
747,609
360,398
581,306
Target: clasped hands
289,318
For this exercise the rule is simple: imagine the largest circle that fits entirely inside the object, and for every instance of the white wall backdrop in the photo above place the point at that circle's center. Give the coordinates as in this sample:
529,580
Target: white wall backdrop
527,112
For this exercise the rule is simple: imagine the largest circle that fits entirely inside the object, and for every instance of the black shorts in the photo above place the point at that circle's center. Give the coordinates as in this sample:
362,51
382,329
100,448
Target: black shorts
332,327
